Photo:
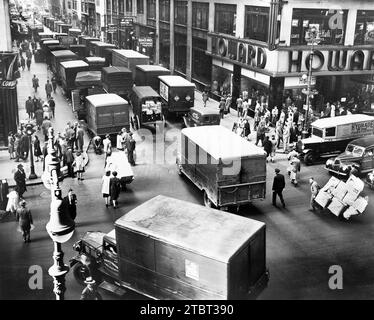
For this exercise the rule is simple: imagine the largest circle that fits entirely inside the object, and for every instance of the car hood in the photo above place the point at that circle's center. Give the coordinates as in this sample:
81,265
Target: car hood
346,157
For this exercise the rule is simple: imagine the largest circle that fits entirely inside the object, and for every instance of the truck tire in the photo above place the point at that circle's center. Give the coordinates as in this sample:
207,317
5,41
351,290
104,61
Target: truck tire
207,202
81,272
309,159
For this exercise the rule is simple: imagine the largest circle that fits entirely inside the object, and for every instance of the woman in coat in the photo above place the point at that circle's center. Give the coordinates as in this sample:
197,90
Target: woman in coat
13,201
11,145
79,165
37,150
105,188
24,219
115,189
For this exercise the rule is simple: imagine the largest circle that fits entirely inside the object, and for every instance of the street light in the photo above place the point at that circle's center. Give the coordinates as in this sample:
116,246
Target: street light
313,38
60,226
30,131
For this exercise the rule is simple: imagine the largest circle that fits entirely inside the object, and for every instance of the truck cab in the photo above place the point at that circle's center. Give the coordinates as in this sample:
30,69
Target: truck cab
202,116
330,136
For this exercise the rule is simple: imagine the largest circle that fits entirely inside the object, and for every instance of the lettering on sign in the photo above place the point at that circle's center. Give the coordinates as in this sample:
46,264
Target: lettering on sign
363,127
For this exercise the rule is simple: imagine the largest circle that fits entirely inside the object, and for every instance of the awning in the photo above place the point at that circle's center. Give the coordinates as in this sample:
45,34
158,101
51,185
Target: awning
88,78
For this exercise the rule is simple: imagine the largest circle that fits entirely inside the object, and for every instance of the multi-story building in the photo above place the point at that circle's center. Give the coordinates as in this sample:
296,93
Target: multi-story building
236,45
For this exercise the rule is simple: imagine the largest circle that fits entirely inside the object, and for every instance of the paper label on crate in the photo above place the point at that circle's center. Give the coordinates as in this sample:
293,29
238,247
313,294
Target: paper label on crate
192,270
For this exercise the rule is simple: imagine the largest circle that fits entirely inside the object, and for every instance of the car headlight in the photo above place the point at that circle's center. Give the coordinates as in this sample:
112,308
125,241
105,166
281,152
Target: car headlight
329,162
344,167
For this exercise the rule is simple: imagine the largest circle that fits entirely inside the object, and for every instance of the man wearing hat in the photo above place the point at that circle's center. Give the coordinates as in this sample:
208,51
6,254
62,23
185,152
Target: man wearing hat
24,218
278,186
90,293
70,204
20,179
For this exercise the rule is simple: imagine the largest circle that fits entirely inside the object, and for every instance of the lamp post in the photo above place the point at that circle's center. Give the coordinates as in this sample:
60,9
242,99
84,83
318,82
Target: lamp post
60,226
313,38
30,131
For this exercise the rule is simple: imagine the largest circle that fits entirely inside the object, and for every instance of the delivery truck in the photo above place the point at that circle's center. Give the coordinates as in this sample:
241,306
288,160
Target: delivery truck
60,56
68,72
129,59
117,80
107,113
172,249
98,48
178,94
229,170
147,75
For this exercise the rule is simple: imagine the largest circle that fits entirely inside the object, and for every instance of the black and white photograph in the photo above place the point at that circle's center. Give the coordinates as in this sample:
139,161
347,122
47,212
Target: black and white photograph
153,151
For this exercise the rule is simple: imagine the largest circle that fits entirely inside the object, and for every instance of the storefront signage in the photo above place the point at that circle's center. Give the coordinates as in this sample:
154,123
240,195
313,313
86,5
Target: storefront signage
146,42
332,60
234,49
8,83
127,22
362,127
111,28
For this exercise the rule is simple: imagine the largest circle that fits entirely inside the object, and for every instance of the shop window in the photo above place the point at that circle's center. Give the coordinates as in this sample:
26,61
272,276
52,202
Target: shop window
364,33
165,10
221,81
256,23
330,25
201,62
140,6
200,15
181,12
225,18
151,9
330,132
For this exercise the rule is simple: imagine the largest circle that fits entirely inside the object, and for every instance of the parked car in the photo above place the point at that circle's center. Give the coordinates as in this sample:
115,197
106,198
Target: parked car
228,169
202,116
170,249
358,155
330,136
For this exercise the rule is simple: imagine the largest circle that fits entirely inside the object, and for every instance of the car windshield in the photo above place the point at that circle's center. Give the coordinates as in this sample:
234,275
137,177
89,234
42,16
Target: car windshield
354,150
317,132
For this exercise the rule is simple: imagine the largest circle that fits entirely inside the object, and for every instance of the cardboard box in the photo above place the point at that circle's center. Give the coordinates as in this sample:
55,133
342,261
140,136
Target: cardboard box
355,183
340,191
352,195
360,204
323,199
351,211
336,207
331,185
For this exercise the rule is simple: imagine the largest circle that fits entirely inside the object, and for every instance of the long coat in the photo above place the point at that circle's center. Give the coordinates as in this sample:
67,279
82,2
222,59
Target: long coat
115,188
24,218
279,183
20,179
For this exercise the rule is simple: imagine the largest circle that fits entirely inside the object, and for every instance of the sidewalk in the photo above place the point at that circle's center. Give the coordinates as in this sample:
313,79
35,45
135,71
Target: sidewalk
63,114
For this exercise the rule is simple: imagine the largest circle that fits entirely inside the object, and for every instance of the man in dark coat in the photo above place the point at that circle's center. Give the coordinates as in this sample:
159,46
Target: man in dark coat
90,292
20,179
278,186
24,146
70,204
68,161
115,189
24,218
29,105
52,106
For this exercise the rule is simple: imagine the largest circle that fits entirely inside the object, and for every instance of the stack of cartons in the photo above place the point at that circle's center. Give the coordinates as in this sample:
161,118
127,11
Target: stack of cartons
341,197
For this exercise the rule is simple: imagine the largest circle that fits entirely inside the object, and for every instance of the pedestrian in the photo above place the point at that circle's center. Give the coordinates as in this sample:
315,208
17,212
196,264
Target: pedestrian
239,106
45,127
24,218
20,179
13,201
260,135
90,292
79,138
115,189
247,128
228,103
39,118
24,146
131,149
222,106
79,165
52,106
279,133
333,111
11,145
119,145
105,188
54,84
286,137
23,63
125,137
314,189
35,83
28,63
274,147
107,146
294,166
70,136
70,204
245,108
17,147
37,149
205,97
68,161
29,106
268,147
274,116
97,144
278,186
48,89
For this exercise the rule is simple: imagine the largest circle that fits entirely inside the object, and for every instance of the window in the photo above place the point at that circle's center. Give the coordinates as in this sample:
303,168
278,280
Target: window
200,15
151,9
330,132
108,6
317,132
69,5
140,6
115,7
121,7
128,5
181,12
165,10
225,18
330,25
256,23
364,27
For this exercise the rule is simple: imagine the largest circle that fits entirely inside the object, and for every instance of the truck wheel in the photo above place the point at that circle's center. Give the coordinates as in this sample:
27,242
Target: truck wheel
309,159
207,201
81,272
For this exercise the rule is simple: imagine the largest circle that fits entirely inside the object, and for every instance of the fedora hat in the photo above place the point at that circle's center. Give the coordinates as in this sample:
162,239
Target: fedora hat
89,280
